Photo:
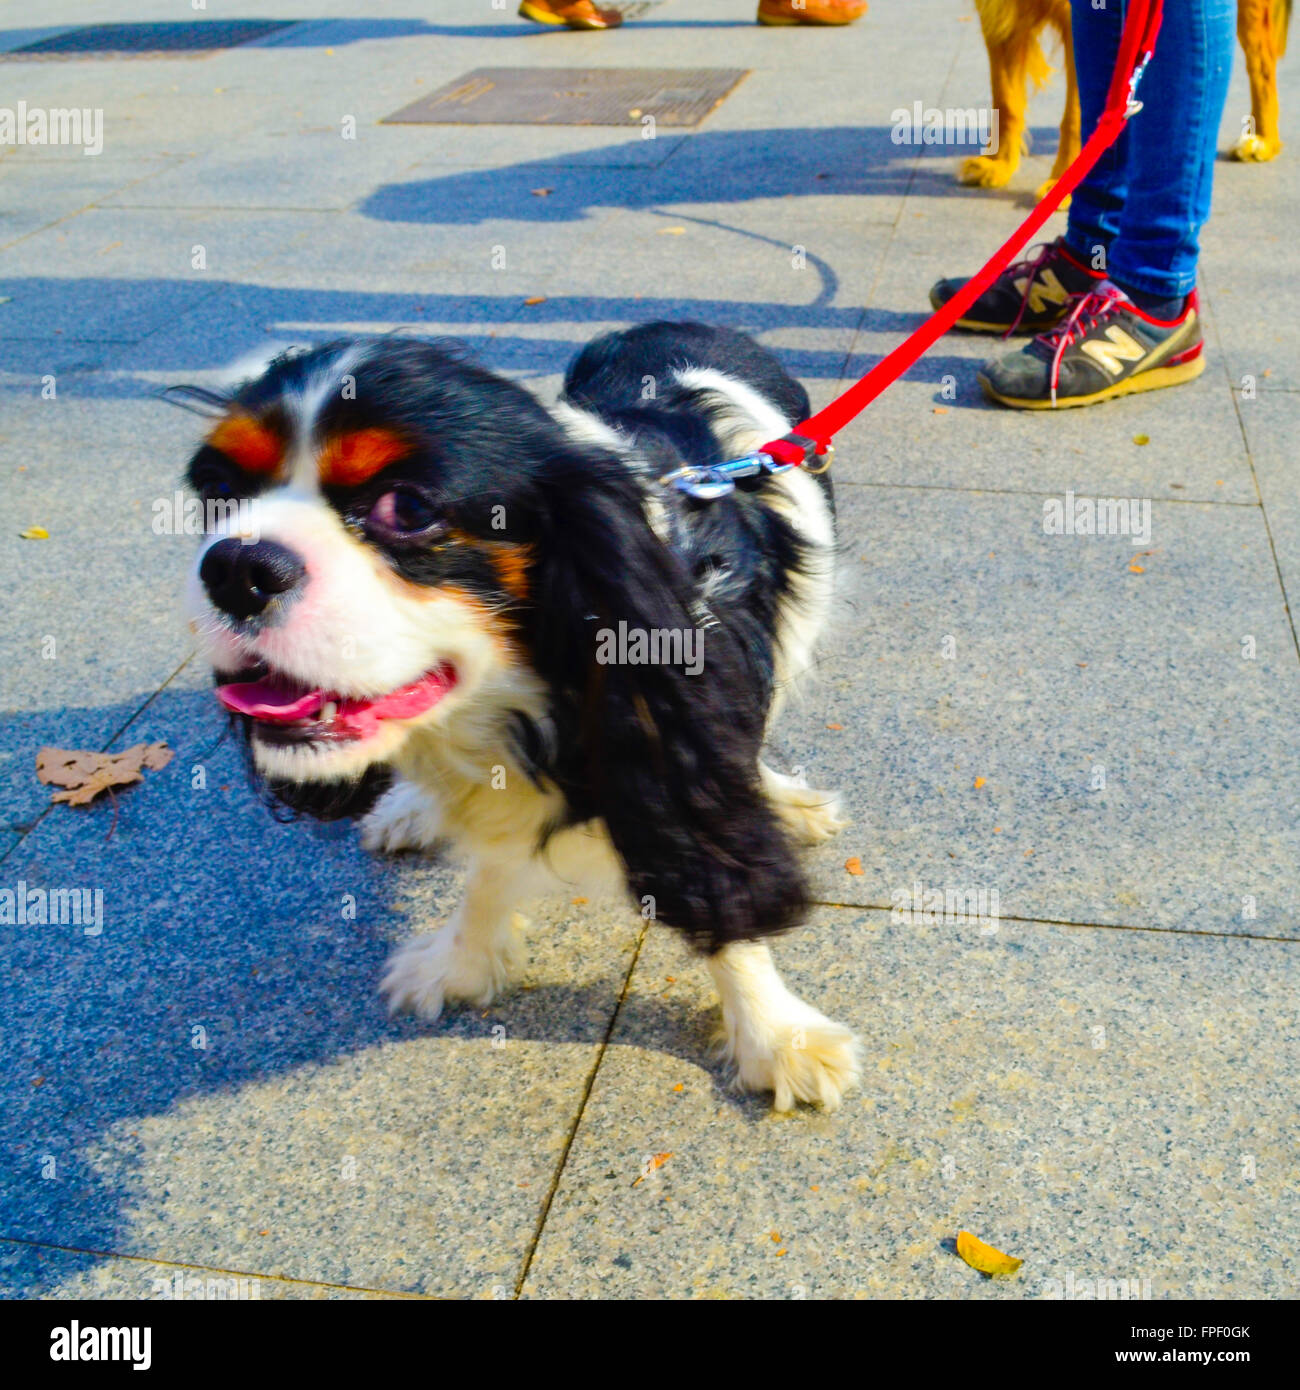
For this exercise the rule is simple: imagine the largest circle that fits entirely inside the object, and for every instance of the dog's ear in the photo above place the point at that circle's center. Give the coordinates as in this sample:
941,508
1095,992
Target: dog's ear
668,759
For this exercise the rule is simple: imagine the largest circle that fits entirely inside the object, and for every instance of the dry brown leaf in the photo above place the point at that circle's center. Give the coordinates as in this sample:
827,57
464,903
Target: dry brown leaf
984,1257
854,866
84,774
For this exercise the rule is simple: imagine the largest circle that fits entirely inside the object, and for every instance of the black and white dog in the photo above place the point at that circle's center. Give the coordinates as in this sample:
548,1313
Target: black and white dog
489,622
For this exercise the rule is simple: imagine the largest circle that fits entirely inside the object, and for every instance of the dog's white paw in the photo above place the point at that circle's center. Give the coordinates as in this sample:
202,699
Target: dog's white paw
443,967
405,817
800,1056
813,817
810,815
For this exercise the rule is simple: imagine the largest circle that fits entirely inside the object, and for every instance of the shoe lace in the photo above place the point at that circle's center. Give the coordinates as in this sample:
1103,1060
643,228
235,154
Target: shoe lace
1088,308
1029,267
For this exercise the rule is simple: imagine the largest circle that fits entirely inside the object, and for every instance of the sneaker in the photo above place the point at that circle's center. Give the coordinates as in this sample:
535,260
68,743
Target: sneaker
577,14
1104,347
1029,296
810,11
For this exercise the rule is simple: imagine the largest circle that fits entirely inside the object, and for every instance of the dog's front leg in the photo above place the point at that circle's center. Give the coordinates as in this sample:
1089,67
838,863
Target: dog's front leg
471,957
1009,82
775,1041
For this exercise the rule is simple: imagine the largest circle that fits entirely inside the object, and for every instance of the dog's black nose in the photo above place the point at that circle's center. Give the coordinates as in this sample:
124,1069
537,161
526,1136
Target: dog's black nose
242,579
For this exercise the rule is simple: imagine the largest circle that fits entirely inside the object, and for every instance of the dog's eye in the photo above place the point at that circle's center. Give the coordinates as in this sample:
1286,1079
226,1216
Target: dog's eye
213,481
404,515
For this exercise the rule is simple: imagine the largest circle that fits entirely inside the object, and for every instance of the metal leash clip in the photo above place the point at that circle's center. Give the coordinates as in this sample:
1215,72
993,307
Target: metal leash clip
719,480
1134,105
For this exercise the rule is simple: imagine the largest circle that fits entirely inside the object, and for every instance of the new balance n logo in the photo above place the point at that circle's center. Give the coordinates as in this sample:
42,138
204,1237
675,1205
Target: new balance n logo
1110,356
1044,290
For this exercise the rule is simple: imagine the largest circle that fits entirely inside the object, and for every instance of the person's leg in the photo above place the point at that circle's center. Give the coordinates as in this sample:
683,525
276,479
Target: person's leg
1173,144
1035,293
1139,329
1098,201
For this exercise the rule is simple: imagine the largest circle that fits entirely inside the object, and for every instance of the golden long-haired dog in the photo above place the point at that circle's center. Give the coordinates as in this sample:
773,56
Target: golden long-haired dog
1011,35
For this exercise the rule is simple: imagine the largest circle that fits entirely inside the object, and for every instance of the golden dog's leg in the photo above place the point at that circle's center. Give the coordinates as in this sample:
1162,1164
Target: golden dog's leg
1007,71
1071,121
1261,40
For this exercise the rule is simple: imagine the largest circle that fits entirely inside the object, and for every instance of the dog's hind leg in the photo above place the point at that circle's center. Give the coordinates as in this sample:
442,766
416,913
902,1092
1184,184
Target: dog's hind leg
811,816
774,1040
472,957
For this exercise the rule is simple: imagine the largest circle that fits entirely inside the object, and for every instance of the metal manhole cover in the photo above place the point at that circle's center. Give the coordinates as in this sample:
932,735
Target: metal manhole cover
573,96
184,40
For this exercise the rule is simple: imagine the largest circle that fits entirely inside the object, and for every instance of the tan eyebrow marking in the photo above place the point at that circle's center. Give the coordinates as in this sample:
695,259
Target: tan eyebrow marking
248,443
349,459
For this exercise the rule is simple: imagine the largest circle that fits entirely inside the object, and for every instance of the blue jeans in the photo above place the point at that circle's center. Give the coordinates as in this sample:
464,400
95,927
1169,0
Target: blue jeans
1148,196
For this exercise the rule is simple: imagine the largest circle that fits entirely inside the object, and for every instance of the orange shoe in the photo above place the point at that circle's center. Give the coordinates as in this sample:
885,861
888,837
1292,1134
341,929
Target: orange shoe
577,14
810,11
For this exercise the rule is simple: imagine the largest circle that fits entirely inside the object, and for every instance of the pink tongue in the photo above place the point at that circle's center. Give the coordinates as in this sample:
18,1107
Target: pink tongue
276,704
281,703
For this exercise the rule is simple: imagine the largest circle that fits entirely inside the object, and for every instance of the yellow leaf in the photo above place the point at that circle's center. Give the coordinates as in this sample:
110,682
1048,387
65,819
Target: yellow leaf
984,1257
34,533
1137,569
536,299
854,866
979,782
671,231
1141,439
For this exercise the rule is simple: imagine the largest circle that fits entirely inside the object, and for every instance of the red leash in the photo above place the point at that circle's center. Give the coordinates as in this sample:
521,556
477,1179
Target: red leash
814,435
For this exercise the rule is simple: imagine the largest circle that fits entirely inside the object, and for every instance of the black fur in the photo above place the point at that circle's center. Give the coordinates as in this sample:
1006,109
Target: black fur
667,759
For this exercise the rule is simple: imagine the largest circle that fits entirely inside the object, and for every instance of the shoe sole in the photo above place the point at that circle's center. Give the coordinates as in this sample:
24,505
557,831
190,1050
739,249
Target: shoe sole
1130,386
1001,329
541,16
